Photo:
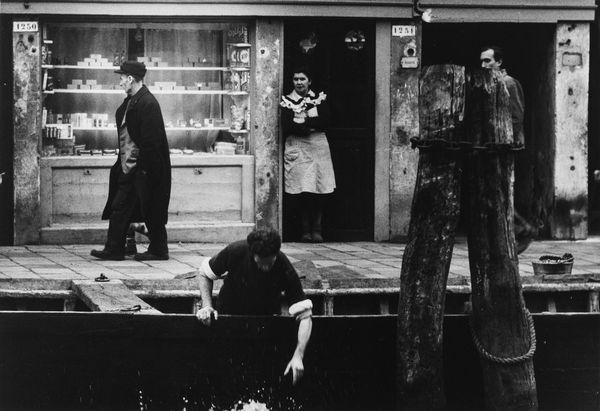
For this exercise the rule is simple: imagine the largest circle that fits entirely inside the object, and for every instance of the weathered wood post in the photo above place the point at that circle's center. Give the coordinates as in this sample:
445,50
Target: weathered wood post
502,328
426,261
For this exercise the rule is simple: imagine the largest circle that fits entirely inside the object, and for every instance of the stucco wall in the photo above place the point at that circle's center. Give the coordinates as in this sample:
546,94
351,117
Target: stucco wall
265,121
404,86
569,219
27,120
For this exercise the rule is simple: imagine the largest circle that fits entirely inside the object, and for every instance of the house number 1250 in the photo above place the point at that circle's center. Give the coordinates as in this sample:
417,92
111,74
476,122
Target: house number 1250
25,26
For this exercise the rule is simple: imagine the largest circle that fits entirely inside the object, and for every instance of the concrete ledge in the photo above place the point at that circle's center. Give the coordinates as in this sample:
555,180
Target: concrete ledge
206,232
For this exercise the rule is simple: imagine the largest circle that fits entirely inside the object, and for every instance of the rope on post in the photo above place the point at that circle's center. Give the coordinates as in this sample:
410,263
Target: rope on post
510,360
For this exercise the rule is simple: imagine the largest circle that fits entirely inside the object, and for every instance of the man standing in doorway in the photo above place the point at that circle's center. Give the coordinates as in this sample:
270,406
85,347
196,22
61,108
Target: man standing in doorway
141,175
491,57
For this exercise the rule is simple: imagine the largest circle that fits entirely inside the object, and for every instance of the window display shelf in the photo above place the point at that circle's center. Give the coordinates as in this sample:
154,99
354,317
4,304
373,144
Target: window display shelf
107,91
201,78
149,68
112,129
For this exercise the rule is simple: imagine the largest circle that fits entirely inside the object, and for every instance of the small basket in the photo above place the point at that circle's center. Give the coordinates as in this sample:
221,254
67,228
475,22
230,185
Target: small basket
553,265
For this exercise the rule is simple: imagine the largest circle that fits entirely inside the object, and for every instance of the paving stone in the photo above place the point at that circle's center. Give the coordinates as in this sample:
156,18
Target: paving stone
367,272
179,271
345,247
166,263
366,264
394,262
8,263
152,276
341,272
117,264
192,260
16,269
325,263
331,255
287,248
54,270
307,246
44,248
203,246
388,272
28,261
62,276
313,261
21,274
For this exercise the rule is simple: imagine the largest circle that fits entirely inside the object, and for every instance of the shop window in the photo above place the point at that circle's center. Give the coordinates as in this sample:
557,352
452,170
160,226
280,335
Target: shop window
198,72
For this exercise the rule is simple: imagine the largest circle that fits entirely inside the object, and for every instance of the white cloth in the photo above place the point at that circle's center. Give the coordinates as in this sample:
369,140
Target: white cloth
307,164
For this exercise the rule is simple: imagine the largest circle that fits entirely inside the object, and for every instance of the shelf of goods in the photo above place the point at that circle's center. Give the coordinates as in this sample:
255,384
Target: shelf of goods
200,74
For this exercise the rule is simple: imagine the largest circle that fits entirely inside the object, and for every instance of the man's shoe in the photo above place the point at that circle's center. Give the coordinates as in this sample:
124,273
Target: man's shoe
107,255
149,256
317,237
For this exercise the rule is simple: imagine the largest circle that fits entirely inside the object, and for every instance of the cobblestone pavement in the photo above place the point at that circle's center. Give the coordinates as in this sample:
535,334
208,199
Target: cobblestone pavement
357,260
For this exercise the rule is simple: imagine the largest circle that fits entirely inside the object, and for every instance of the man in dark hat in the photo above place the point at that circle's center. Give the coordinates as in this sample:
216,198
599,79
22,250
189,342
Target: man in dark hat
141,177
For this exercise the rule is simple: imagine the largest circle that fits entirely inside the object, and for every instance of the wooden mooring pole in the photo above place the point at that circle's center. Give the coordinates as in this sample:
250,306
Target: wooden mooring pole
502,328
426,261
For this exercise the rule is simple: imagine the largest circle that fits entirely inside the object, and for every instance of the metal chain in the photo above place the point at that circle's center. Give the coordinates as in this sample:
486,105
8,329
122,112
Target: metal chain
510,360
441,144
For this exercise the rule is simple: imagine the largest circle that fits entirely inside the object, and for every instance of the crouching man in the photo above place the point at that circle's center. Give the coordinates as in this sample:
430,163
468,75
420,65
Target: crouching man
257,273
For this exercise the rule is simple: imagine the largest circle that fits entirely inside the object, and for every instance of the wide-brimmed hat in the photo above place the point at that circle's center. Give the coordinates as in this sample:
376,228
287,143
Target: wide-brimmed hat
134,68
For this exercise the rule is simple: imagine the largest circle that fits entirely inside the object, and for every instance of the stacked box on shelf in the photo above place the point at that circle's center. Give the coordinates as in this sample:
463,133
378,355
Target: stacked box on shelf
95,60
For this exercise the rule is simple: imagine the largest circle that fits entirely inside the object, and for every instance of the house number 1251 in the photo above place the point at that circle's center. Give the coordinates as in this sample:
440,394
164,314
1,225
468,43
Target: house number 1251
403,31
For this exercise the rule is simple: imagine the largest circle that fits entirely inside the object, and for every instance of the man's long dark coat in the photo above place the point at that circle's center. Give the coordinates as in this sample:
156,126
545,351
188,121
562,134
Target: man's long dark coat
146,128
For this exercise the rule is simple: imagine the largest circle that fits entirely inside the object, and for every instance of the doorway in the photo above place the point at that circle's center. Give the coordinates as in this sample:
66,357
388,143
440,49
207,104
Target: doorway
342,57
528,57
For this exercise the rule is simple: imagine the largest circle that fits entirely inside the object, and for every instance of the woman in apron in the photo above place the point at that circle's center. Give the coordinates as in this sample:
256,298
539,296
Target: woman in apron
308,170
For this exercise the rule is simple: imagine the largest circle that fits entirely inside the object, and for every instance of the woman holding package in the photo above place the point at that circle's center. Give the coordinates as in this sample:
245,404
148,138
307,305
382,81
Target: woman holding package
307,160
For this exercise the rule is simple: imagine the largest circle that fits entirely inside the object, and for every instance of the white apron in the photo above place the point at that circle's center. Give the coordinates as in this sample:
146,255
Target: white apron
307,164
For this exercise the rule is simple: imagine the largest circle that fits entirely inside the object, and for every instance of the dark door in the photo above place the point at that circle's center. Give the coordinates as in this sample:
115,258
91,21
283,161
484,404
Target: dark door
342,61
6,145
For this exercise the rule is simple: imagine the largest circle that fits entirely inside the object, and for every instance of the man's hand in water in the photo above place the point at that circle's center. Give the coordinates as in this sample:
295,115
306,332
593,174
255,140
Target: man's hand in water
206,314
297,368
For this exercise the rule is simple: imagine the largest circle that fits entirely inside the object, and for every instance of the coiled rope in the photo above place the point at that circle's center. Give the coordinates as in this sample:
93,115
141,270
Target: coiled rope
510,360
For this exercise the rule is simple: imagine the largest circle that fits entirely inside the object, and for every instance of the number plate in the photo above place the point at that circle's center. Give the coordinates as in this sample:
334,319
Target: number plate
403,31
25,26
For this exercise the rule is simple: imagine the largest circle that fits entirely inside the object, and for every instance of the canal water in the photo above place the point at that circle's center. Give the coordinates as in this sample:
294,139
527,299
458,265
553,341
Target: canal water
101,361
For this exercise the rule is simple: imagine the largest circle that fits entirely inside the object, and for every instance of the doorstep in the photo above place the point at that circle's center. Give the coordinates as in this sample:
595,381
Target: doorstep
185,232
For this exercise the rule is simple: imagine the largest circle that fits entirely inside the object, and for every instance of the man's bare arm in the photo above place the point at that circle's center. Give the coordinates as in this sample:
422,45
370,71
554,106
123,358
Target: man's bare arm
296,364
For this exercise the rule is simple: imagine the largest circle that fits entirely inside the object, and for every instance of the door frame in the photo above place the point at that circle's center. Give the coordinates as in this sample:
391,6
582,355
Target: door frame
6,132
380,127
